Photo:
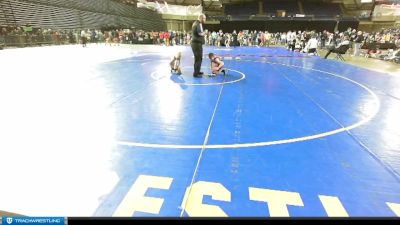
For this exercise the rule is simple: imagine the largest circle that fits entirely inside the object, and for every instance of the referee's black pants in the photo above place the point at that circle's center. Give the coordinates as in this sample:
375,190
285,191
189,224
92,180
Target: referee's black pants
197,48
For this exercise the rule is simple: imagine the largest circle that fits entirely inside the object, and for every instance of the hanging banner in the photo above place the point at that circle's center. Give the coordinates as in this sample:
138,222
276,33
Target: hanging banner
385,12
165,8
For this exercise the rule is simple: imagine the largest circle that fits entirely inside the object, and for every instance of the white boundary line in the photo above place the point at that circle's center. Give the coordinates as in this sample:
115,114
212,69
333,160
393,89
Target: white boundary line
204,84
223,49
267,143
203,147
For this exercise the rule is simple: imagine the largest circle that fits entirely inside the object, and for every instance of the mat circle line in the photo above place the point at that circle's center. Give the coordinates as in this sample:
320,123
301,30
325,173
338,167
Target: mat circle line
267,143
243,76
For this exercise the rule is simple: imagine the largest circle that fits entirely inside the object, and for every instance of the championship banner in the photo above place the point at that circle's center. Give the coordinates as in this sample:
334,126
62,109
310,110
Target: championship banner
165,8
385,12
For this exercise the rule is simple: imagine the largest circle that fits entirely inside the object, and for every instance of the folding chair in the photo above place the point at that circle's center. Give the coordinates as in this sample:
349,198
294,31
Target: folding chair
339,57
341,51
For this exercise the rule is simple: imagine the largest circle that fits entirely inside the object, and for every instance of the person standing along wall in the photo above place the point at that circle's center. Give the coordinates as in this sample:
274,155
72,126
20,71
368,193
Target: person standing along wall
357,43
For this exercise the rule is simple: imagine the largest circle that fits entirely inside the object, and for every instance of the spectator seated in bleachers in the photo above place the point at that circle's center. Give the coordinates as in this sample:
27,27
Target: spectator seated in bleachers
374,53
390,55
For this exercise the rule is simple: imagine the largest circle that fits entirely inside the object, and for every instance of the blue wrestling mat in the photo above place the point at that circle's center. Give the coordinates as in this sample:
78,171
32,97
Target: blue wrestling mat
282,134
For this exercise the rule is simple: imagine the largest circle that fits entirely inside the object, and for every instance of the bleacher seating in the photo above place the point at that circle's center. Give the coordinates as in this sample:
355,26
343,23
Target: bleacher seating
322,9
245,9
72,14
291,7
6,15
3,19
271,6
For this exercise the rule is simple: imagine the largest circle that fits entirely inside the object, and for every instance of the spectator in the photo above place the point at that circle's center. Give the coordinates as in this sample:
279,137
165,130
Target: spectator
345,44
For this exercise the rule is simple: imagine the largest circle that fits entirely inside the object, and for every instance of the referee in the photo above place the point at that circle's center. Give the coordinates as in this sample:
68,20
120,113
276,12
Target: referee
197,44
